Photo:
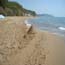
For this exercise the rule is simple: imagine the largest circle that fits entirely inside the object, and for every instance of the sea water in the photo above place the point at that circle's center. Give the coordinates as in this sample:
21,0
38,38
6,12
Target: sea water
52,24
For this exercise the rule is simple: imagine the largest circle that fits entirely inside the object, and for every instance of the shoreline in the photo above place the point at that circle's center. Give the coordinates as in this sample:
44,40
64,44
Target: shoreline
53,33
40,25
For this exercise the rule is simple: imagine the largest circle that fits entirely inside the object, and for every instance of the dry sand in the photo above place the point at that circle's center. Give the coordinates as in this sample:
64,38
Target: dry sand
17,47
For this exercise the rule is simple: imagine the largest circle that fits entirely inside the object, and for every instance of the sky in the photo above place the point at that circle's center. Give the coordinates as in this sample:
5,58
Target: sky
53,7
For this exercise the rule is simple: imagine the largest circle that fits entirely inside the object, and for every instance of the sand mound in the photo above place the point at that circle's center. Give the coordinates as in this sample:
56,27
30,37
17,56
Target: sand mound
17,47
20,45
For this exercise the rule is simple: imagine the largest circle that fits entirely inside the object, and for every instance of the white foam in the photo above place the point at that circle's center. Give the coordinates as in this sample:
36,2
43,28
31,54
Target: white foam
1,16
61,28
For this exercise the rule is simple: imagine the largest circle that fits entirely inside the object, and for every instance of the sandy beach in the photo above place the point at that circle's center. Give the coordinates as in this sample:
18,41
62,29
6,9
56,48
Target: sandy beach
19,47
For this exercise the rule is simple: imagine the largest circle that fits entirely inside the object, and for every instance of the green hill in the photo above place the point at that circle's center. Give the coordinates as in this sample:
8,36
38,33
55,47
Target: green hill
9,8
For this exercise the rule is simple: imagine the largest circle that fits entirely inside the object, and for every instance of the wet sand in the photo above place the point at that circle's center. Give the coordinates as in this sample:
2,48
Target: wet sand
17,47
56,50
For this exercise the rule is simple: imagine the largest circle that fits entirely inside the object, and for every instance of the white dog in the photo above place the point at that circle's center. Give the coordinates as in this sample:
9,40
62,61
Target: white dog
27,24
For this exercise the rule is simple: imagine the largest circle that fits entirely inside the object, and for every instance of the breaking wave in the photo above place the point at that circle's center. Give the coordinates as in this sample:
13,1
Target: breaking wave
61,28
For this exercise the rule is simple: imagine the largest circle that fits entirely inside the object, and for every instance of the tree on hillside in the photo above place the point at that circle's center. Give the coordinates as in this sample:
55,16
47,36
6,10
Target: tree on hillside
3,3
8,7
